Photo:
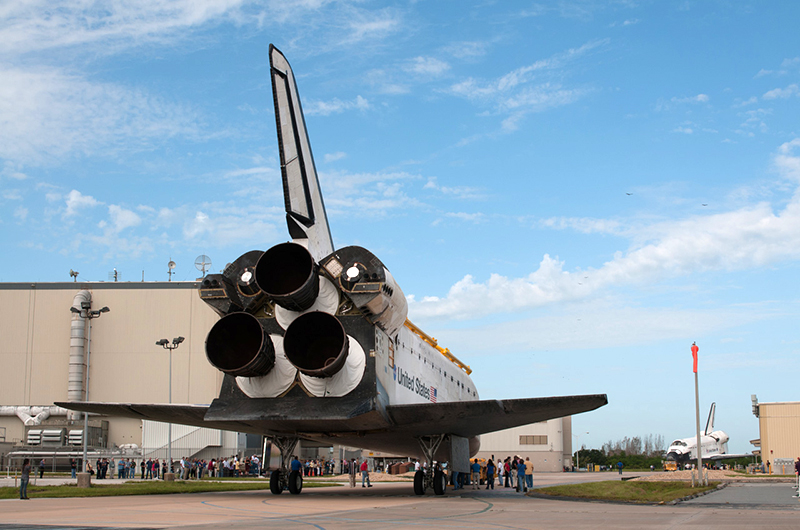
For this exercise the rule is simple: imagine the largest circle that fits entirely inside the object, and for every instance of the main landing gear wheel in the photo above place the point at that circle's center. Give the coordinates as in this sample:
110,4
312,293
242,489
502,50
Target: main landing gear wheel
275,482
419,482
439,483
295,482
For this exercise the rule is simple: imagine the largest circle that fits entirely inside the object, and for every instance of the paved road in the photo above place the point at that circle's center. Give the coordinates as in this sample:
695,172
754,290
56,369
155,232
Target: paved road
389,506
740,495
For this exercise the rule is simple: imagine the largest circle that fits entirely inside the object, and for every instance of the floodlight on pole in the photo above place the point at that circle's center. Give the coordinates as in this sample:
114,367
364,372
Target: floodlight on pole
164,343
578,452
85,312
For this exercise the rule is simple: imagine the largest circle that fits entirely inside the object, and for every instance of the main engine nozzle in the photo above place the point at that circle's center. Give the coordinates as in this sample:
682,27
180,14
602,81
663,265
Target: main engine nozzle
239,345
288,274
316,344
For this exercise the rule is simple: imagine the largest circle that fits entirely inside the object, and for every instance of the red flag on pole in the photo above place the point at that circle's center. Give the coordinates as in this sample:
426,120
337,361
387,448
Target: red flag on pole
695,349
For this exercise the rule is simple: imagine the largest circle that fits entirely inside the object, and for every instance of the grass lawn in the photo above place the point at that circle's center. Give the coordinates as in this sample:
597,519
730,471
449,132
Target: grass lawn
631,491
142,488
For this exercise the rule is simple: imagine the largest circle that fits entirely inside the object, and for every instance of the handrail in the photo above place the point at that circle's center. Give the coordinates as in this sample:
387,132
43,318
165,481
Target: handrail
444,351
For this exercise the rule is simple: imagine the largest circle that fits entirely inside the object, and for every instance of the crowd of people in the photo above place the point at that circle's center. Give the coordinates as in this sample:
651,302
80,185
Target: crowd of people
513,472
184,469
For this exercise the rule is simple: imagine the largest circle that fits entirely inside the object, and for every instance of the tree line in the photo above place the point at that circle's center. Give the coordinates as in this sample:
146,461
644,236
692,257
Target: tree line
636,452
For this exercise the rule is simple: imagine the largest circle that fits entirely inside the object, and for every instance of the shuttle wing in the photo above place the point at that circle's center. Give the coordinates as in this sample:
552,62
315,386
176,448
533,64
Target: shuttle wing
167,413
305,211
462,418
725,456
472,418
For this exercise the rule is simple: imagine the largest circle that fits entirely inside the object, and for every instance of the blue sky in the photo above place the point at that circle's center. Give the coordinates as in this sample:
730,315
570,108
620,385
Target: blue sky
569,193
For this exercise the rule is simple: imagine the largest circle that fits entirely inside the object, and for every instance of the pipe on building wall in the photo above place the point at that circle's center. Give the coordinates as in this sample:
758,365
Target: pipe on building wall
31,416
77,347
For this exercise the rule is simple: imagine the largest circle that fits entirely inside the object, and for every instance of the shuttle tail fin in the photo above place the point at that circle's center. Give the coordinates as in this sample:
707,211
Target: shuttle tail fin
710,422
305,211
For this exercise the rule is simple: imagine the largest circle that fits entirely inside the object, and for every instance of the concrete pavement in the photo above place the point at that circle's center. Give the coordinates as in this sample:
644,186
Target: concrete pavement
392,506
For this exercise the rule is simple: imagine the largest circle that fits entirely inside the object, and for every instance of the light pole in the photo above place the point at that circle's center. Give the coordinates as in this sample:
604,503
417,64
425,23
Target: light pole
86,312
695,349
578,453
167,346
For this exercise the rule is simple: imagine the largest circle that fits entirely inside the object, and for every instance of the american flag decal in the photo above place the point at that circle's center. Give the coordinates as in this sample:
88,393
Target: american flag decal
433,395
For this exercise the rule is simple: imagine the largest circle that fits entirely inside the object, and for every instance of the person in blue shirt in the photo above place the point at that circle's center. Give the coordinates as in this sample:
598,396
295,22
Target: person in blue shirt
476,474
296,465
521,486
490,474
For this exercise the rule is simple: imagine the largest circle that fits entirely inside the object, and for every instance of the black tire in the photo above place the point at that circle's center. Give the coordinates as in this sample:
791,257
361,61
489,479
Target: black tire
295,482
275,483
419,482
439,483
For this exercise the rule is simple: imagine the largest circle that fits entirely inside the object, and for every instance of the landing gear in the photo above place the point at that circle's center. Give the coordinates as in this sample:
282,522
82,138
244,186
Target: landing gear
281,479
275,482
430,477
439,482
295,482
419,483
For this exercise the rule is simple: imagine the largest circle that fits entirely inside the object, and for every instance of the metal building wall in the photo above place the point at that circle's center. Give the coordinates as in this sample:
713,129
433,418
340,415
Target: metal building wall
187,441
779,424
551,457
125,364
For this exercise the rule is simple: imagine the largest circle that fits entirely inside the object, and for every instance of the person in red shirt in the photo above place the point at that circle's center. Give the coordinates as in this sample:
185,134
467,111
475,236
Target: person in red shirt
365,474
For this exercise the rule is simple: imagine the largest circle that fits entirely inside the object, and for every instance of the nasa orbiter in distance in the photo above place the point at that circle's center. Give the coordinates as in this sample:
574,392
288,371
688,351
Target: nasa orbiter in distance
315,345
714,444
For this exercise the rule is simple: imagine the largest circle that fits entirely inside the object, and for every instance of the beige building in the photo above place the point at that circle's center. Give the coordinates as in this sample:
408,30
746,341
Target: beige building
779,430
42,337
125,365
547,443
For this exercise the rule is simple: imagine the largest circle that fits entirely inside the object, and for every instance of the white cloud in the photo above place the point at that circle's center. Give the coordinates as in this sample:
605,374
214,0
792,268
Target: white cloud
21,213
751,101
527,89
741,239
684,130
367,194
596,324
584,225
12,195
77,201
754,120
628,22
785,161
461,192
12,171
37,25
476,217
366,25
225,225
782,93
429,66
46,113
466,49
333,157
689,100
335,106
122,218
790,63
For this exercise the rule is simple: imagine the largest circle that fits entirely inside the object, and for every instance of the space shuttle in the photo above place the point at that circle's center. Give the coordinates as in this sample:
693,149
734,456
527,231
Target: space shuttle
315,344
713,444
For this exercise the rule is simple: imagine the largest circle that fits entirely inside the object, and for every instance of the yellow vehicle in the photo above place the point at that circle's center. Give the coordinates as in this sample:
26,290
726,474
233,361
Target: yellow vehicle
670,465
